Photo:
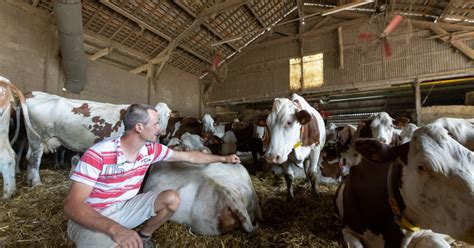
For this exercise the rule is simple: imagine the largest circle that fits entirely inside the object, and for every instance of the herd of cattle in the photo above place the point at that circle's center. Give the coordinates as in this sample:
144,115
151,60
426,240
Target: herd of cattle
399,185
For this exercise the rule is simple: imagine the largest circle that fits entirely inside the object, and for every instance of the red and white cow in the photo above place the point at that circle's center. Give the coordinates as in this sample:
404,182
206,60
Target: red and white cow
297,137
345,139
379,127
215,199
7,155
427,183
75,124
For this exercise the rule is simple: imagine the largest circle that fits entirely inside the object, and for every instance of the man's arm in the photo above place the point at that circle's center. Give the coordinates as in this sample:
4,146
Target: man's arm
77,210
202,158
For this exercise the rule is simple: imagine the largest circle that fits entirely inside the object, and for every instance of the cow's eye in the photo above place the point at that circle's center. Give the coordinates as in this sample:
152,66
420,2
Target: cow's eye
421,168
288,123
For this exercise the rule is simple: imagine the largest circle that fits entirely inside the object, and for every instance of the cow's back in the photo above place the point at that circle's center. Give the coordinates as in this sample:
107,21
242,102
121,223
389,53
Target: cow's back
205,192
77,124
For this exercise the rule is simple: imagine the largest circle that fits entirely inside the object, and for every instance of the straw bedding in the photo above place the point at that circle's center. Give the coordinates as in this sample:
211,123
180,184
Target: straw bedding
34,218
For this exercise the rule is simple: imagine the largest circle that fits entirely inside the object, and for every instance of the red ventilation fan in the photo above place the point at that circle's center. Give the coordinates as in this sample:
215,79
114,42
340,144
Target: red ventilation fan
370,36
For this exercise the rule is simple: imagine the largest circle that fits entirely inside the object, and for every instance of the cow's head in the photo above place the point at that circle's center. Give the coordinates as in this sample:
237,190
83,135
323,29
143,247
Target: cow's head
164,113
437,183
378,127
192,142
208,124
345,137
284,124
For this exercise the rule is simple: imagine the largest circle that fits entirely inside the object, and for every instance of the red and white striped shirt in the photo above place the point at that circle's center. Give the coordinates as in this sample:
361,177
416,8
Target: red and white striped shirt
114,179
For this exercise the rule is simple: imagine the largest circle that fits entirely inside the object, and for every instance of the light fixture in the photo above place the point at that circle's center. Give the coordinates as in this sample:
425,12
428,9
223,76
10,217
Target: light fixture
346,7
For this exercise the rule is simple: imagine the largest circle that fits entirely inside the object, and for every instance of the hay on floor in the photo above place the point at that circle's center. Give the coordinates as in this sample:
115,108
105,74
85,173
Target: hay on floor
34,218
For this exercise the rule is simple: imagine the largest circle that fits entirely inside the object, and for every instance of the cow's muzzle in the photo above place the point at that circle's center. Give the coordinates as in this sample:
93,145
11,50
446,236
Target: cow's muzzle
273,158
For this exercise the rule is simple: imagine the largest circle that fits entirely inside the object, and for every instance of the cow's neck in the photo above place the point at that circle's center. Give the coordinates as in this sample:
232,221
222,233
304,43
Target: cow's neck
395,199
309,133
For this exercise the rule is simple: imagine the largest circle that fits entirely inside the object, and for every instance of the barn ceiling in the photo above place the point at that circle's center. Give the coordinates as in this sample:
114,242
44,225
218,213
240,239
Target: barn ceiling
187,33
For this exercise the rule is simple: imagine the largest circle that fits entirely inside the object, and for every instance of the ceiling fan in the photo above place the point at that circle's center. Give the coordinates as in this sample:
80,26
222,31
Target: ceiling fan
378,30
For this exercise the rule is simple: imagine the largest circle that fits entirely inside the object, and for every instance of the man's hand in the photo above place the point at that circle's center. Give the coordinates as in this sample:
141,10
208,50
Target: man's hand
128,238
232,159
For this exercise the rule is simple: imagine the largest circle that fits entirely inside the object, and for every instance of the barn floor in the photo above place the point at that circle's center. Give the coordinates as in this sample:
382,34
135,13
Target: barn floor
34,218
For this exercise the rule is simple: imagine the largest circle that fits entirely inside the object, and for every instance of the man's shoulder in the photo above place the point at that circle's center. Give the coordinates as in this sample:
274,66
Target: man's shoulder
106,145
152,146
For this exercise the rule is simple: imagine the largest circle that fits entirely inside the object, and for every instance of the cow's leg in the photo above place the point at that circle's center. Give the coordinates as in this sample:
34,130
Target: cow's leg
56,160
311,171
74,161
34,154
351,240
59,156
7,169
289,177
256,164
19,147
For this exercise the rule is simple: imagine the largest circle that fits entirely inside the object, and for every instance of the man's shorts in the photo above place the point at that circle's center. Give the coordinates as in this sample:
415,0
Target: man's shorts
130,214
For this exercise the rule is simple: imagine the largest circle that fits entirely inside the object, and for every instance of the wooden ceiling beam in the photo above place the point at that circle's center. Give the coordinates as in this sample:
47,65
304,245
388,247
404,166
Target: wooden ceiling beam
320,23
445,26
200,18
458,44
150,28
313,32
259,20
101,53
135,19
212,30
345,7
103,41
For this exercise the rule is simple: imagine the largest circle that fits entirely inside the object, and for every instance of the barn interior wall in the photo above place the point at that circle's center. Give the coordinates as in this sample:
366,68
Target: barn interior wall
263,70
30,58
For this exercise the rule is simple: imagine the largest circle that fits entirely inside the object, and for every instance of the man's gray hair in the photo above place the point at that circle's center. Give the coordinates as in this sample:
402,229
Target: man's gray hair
136,113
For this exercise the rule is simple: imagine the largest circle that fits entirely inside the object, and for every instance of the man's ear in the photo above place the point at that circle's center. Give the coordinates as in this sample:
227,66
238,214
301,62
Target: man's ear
138,127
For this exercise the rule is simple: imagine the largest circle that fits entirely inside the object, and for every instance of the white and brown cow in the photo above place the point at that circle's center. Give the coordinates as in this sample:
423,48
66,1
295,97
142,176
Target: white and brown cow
7,155
75,124
428,183
215,199
297,137
379,127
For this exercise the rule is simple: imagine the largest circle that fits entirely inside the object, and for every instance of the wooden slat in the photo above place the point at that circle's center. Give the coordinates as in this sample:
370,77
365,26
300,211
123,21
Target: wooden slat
341,48
101,53
458,44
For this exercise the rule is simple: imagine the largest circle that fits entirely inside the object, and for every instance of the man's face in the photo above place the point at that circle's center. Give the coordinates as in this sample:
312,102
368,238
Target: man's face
151,130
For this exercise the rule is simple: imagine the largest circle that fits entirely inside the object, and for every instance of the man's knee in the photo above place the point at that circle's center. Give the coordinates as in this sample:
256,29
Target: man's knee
169,198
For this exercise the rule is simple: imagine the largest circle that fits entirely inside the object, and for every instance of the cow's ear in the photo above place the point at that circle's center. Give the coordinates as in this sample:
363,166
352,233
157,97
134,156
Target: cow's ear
370,149
376,151
401,122
303,117
343,135
297,104
276,105
362,124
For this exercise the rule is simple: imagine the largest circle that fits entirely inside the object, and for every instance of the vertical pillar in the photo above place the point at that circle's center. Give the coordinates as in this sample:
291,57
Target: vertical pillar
150,79
416,87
